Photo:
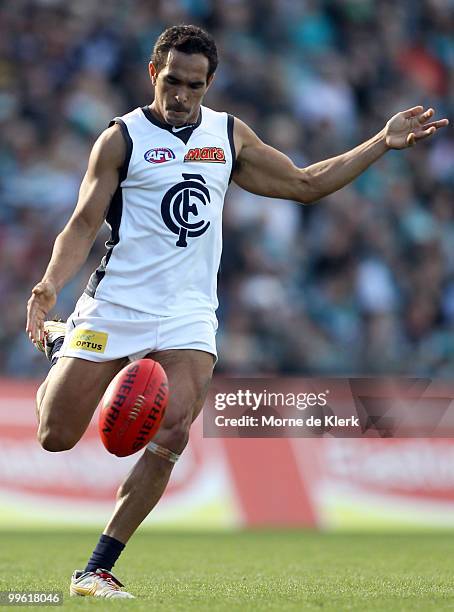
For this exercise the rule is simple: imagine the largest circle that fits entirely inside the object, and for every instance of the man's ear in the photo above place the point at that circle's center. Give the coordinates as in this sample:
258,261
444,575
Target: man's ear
152,72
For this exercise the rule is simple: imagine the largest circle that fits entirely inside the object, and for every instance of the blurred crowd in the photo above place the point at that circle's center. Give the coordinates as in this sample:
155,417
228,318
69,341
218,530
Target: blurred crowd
359,283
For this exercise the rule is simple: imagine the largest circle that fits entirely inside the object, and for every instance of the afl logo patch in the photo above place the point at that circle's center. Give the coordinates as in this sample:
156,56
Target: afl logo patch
159,155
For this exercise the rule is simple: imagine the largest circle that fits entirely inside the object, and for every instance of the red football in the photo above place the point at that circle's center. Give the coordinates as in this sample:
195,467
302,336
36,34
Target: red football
133,406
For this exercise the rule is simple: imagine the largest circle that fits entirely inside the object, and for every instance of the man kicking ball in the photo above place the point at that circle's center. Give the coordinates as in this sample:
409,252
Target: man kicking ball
158,177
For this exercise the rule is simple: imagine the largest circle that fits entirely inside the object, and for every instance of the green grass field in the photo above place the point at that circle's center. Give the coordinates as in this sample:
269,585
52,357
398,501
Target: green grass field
247,571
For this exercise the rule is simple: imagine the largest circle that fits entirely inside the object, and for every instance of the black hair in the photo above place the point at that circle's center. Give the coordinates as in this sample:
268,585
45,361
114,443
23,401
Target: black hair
187,39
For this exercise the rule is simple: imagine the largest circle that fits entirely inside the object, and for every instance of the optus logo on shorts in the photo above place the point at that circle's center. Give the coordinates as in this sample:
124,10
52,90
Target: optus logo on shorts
88,340
159,155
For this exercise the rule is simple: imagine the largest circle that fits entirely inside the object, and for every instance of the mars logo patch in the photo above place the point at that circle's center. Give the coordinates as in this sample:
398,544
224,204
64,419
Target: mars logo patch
88,340
159,155
213,155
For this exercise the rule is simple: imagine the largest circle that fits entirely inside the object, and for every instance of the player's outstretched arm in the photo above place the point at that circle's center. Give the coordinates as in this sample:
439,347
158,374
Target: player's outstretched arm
265,171
73,244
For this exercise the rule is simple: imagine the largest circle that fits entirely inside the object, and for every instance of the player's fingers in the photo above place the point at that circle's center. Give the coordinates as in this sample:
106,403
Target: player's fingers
438,124
30,317
35,319
38,328
32,306
411,139
426,116
40,332
424,133
413,112
32,330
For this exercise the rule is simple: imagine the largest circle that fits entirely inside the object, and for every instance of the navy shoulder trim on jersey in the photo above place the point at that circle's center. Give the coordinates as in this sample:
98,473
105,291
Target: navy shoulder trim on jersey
114,214
230,124
128,140
113,219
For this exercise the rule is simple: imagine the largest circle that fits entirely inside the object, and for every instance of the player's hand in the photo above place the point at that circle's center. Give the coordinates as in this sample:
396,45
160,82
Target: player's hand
409,126
42,300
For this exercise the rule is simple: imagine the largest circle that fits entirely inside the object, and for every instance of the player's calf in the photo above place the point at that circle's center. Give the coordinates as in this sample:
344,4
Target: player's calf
173,434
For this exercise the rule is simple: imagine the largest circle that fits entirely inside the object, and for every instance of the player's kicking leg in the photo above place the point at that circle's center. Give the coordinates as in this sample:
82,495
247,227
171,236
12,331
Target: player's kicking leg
66,402
189,374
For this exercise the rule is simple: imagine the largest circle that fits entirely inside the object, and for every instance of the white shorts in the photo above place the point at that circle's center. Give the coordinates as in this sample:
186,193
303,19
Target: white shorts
101,331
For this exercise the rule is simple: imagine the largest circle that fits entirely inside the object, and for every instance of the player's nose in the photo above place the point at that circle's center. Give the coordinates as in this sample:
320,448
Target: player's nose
181,98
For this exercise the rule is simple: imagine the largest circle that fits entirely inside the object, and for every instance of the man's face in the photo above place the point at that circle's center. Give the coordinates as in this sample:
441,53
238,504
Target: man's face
180,86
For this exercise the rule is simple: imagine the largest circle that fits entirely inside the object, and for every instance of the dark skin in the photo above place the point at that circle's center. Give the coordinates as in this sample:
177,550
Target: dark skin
63,411
180,87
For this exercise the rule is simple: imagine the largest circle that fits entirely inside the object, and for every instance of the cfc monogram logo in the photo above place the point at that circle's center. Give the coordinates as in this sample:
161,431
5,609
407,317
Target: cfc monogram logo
181,201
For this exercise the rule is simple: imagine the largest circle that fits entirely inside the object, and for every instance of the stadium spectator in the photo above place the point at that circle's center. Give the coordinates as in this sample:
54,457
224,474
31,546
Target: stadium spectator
360,284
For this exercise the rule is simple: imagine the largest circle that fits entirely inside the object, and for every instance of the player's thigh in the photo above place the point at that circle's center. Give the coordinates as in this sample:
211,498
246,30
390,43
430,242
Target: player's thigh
73,390
189,373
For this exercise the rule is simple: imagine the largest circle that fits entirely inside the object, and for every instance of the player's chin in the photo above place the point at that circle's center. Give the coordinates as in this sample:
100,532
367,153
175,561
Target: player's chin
177,118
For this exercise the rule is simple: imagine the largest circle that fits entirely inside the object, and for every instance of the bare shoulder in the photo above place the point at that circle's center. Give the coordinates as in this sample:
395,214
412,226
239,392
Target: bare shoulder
243,135
262,169
109,150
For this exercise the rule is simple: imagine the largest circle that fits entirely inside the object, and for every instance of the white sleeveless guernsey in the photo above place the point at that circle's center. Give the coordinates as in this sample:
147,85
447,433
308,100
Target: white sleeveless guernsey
165,217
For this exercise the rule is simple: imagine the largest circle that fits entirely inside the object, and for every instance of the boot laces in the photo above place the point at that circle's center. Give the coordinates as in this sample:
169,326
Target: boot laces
109,579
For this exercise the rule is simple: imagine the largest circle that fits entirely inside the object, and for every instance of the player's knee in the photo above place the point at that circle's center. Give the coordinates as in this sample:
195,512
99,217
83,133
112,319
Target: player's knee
174,435
55,439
